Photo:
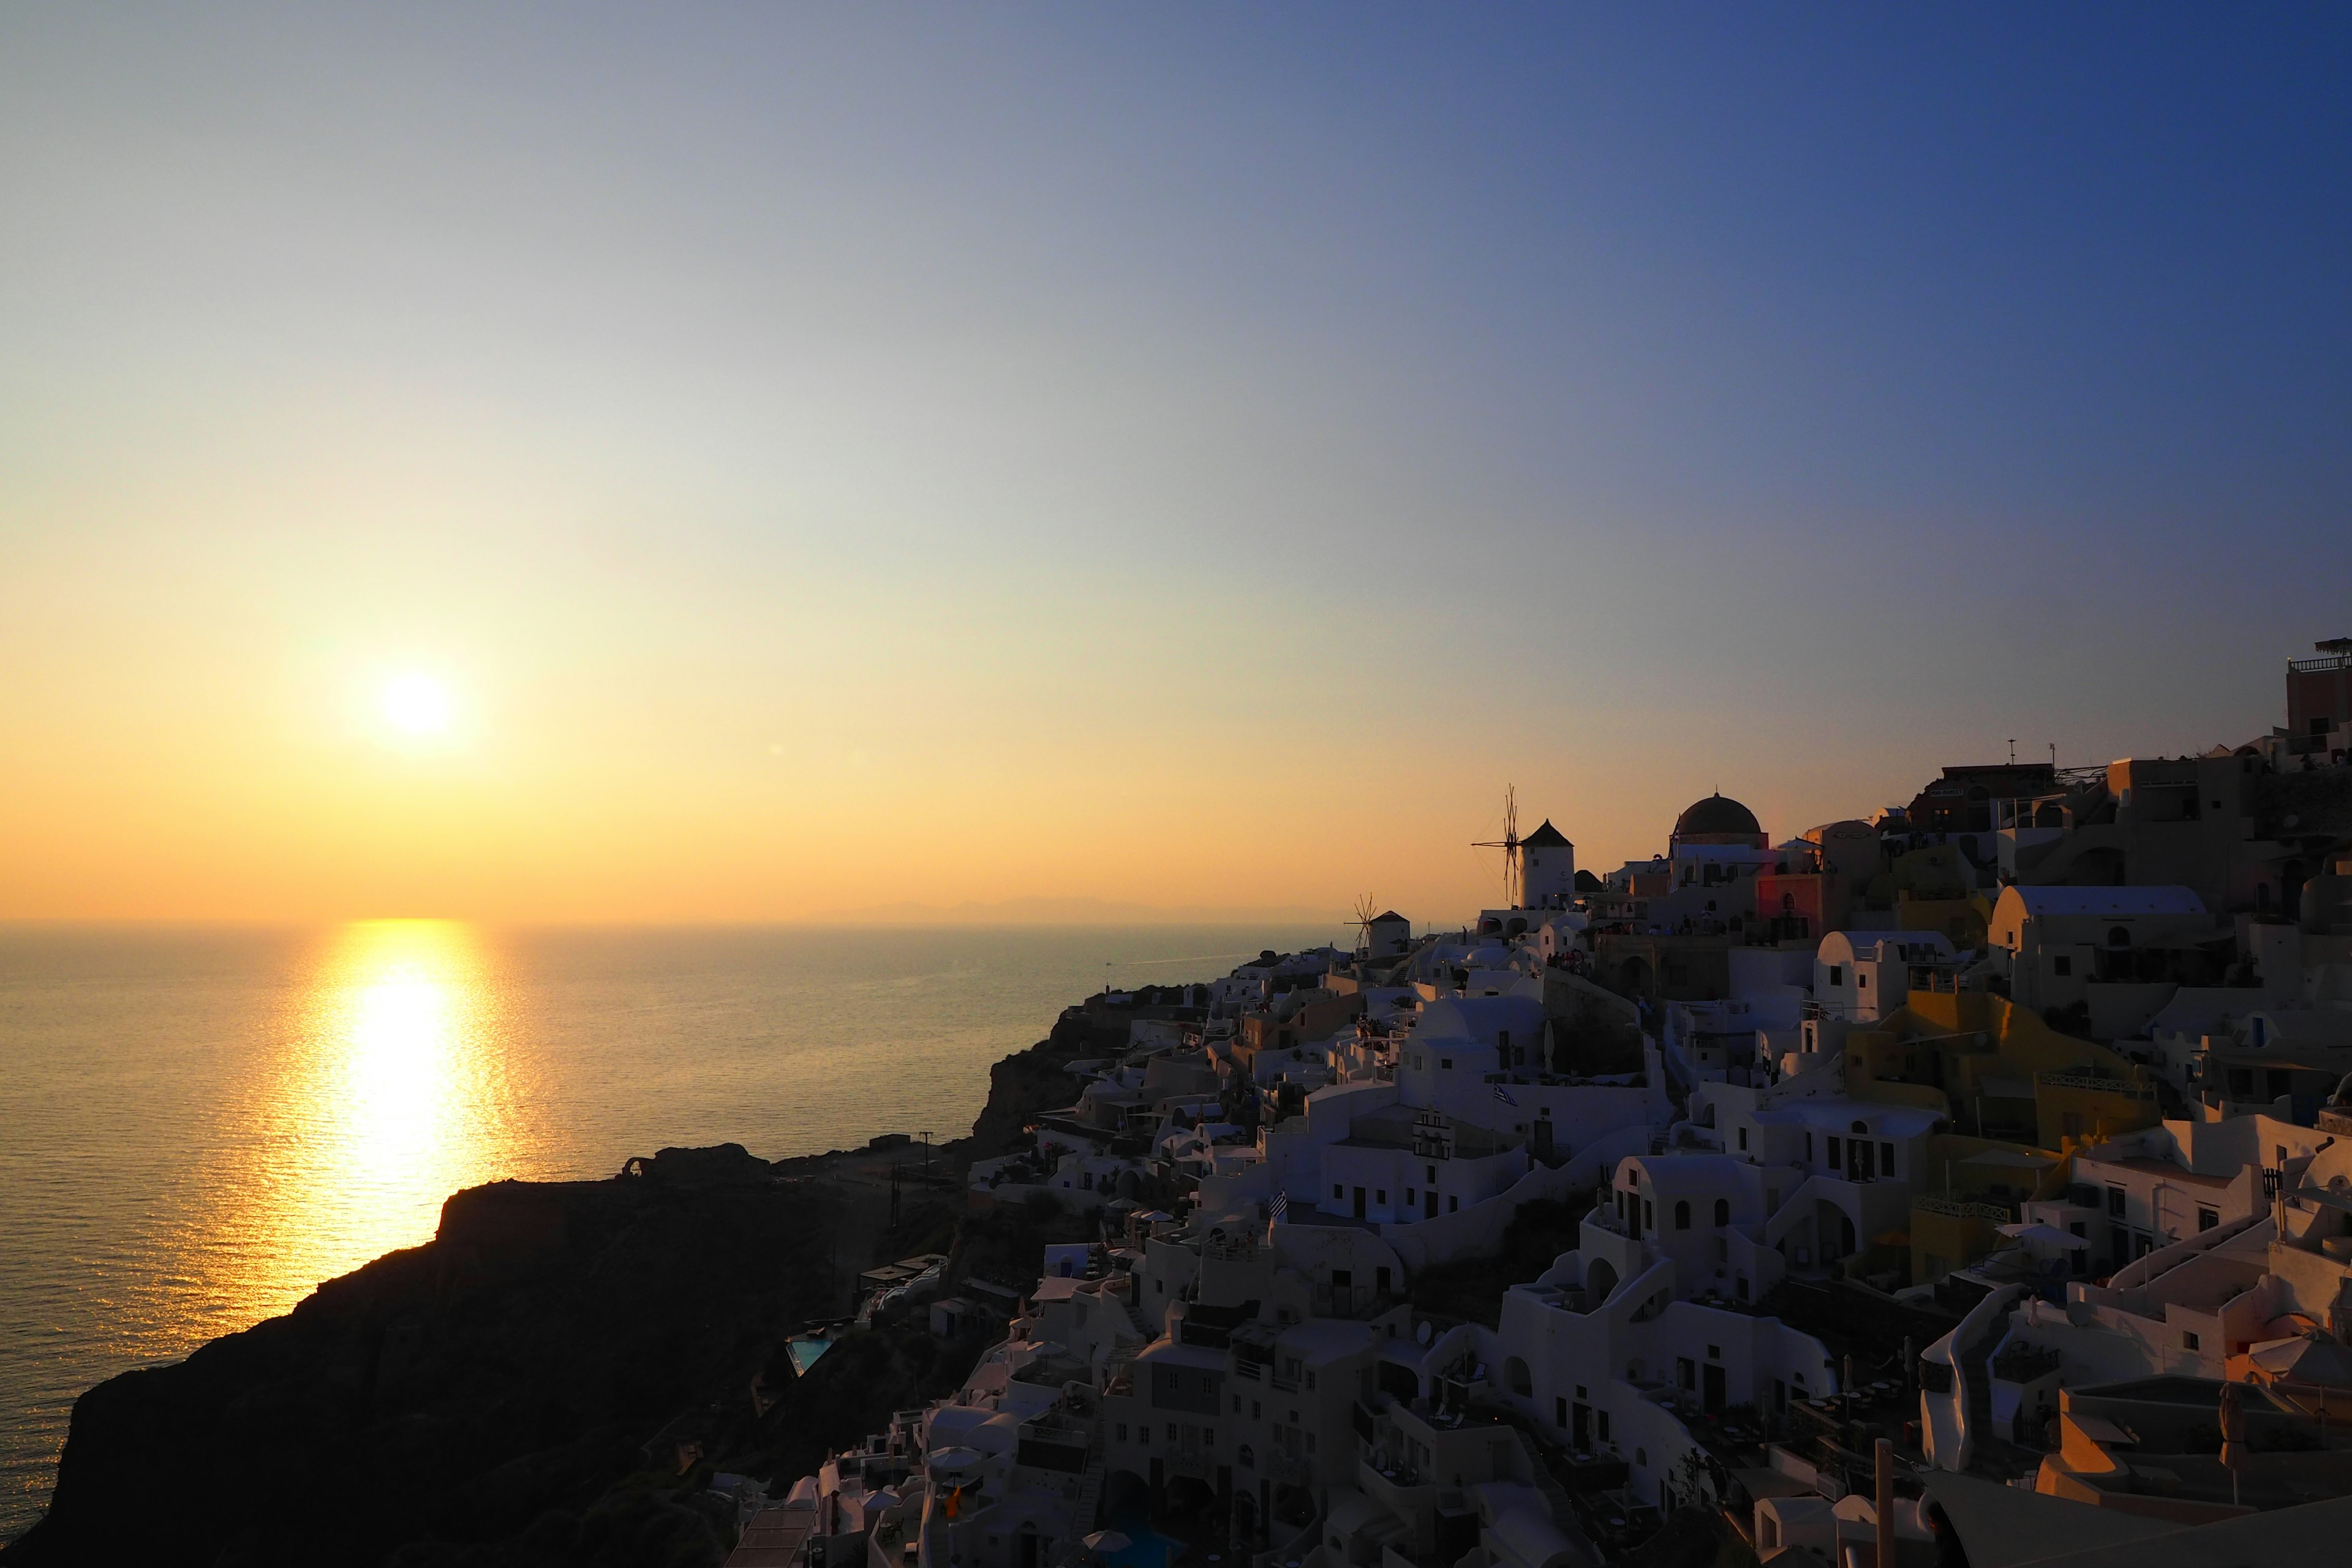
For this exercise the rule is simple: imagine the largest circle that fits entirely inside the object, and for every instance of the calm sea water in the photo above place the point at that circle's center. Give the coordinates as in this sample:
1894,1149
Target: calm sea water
196,1127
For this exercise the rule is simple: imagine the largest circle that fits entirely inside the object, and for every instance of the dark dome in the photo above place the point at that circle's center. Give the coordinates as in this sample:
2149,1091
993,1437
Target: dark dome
1716,813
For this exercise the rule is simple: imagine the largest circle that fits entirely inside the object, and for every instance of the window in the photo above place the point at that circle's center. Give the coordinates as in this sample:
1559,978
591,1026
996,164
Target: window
2207,1219
1832,1142
1809,1152
2189,1339
1649,1214
1410,1199
1722,1210
2061,966
1682,1215
1886,1158
1861,980
1122,1431
1454,1205
1310,1383
1430,1174
1338,1191
1837,973
1603,1416
1380,1195
1257,1411
1171,1431
2115,1200
1715,1353
1445,1062
1246,1459
1380,1275
1743,1139
1642,1457
1237,1404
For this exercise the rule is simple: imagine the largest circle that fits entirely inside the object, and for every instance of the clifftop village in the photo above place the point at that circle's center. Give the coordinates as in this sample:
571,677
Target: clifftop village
1966,1182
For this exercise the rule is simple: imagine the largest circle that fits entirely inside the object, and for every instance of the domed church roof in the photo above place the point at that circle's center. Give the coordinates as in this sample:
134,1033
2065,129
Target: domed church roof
1716,813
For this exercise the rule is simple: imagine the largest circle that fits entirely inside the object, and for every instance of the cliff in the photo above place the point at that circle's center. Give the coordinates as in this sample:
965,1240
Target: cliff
496,1384
551,1379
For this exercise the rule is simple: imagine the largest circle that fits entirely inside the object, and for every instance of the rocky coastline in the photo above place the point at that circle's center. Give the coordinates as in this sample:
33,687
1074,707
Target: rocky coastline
555,1375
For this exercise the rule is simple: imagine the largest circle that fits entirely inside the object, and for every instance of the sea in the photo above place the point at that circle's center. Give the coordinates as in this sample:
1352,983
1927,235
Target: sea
199,1125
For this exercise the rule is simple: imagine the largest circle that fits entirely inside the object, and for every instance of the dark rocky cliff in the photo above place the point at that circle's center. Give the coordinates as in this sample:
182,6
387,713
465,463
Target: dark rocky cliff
524,1388
502,1379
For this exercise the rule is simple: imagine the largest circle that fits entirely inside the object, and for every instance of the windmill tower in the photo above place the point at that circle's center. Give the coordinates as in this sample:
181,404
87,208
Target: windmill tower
1387,934
1509,845
1547,870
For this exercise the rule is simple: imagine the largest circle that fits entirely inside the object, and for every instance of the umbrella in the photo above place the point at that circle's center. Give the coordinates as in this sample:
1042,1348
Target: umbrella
947,1460
1107,1541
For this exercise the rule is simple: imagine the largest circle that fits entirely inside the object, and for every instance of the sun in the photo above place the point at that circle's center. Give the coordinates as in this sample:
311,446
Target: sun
416,705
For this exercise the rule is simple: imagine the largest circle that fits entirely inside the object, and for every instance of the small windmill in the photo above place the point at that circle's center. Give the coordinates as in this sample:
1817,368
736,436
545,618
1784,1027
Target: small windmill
1366,911
1509,845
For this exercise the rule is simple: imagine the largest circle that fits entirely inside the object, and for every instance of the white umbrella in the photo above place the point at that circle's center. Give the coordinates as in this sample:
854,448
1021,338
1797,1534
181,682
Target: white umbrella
1107,1541
952,1459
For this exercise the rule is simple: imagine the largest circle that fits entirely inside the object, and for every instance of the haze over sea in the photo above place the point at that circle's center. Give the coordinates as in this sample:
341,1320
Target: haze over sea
201,1124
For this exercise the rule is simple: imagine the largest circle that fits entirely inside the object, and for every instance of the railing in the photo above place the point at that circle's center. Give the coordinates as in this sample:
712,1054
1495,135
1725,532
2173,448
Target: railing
1964,1209
1291,1470
2130,1088
2324,662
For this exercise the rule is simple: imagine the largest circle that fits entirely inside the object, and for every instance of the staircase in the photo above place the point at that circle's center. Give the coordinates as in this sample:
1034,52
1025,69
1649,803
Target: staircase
1088,1503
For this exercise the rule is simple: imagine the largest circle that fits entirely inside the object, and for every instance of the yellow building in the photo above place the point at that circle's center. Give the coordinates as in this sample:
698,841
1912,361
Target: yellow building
1962,919
2019,1098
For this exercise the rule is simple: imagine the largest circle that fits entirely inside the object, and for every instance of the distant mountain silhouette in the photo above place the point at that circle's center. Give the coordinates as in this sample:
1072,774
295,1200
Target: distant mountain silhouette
1038,910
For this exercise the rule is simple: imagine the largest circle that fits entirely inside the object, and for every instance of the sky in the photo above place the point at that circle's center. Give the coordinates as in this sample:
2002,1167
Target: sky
796,460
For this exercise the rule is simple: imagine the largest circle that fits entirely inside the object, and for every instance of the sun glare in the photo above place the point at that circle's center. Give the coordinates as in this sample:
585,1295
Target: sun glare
416,705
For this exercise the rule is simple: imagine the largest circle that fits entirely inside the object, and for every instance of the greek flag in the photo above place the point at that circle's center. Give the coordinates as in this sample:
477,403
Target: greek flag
1505,1096
1279,1207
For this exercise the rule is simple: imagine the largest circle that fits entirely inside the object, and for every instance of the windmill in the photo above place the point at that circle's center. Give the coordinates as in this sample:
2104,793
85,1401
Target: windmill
1509,845
1366,911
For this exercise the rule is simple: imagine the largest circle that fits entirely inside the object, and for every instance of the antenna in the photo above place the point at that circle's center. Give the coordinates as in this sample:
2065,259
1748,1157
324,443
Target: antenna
2012,751
1509,845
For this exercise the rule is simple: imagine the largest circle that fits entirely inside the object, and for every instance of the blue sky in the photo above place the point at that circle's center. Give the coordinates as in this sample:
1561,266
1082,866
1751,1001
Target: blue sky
1278,428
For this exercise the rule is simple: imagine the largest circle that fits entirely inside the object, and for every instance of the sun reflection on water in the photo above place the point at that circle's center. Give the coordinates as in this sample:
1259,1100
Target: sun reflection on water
394,1096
